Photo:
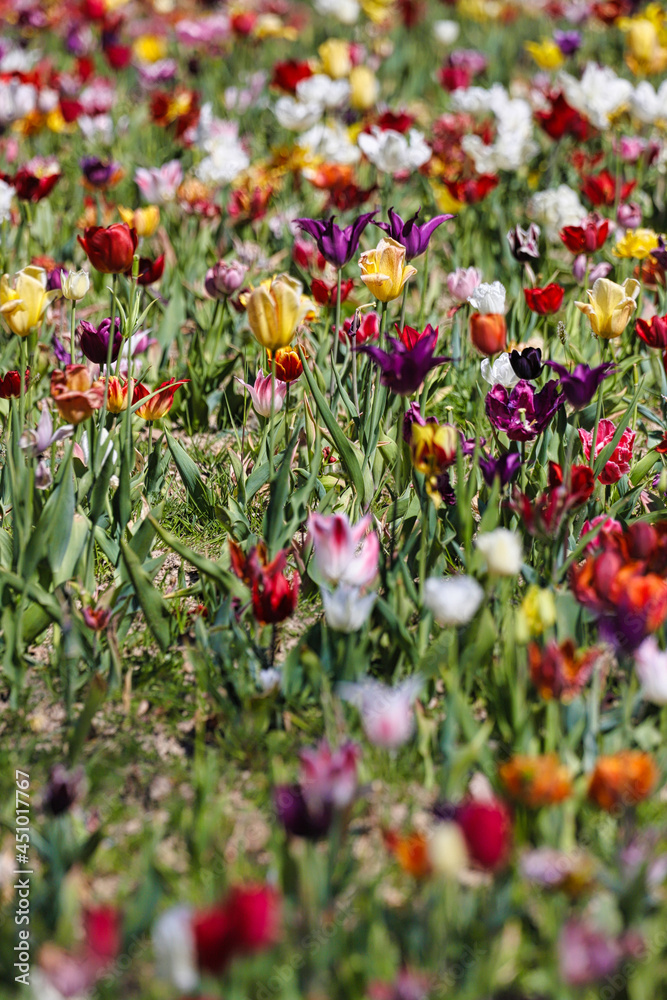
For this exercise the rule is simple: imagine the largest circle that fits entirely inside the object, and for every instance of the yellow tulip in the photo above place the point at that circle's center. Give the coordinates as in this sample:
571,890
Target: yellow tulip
636,243
24,299
150,48
537,612
377,11
433,447
365,89
335,58
646,54
275,311
384,271
610,306
546,53
144,220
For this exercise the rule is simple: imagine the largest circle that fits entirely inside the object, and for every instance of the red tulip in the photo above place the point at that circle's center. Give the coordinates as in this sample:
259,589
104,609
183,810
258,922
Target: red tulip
487,829
588,237
150,271
10,385
653,332
544,301
159,405
274,597
602,188
110,249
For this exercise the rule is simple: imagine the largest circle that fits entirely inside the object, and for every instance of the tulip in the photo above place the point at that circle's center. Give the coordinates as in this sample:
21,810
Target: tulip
98,173
364,88
287,363
117,394
24,299
74,285
346,609
622,779
462,282
274,597
344,553
567,41
260,393
159,405
275,311
559,671
524,243
447,851
453,600
500,373
10,384
335,57
433,447
64,788
522,412
75,395
336,245
588,237
637,243
224,278
488,332
488,298
502,550
40,440
544,301
94,341
527,364
415,238
537,612
384,271
653,332
386,713
618,463
536,781
629,215
487,830
504,467
144,220
404,369
298,820
110,249
651,667
580,385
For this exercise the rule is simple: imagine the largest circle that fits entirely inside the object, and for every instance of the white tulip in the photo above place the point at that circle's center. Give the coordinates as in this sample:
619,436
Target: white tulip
345,610
488,298
453,600
651,666
502,550
500,372
446,32
174,947
74,285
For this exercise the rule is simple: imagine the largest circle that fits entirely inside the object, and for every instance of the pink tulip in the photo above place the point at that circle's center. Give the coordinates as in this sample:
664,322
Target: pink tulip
620,459
260,393
462,282
329,777
344,553
159,185
387,714
629,215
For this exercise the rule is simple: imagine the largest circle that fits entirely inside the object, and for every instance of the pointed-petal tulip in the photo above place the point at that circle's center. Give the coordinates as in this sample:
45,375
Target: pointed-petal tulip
610,306
384,271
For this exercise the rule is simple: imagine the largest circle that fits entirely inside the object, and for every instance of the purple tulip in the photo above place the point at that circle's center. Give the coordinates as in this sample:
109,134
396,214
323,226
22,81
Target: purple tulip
94,340
524,243
295,816
580,264
63,789
414,238
522,413
97,172
224,278
567,41
505,467
336,245
660,254
527,364
587,955
63,356
404,369
580,385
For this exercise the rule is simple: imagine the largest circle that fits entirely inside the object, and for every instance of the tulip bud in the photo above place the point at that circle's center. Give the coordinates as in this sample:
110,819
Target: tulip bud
502,550
488,332
224,278
335,56
74,285
274,312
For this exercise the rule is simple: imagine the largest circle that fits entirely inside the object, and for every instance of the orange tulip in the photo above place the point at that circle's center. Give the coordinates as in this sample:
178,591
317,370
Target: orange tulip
74,393
488,332
622,779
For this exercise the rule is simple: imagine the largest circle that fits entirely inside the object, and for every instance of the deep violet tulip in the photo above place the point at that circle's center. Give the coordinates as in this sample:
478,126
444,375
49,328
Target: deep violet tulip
413,237
522,413
580,385
404,369
336,245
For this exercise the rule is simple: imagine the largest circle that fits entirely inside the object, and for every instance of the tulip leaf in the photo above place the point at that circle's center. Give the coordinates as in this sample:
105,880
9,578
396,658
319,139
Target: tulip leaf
190,475
158,616
274,519
340,442
226,580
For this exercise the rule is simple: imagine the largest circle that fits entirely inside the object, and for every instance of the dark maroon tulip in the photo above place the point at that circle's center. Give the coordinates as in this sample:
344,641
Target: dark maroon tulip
98,172
295,816
404,369
527,364
94,340
336,245
413,237
63,789
580,385
522,413
150,271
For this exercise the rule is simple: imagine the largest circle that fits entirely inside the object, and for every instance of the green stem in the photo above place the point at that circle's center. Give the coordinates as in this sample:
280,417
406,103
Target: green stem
599,411
422,304
271,423
334,362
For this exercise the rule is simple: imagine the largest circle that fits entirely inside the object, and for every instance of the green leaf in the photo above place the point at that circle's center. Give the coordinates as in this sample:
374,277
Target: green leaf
227,581
189,473
94,701
274,519
610,448
158,616
340,442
